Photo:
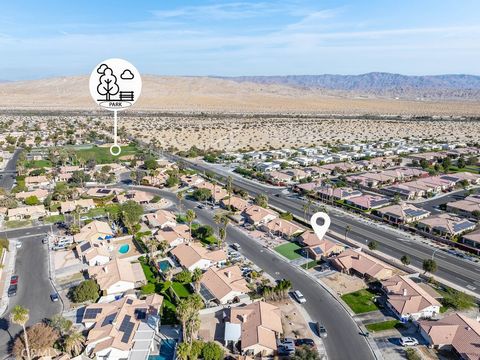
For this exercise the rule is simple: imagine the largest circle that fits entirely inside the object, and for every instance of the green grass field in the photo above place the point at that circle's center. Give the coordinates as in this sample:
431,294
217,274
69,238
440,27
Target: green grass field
360,301
289,250
12,224
180,289
102,154
382,326
35,164
53,219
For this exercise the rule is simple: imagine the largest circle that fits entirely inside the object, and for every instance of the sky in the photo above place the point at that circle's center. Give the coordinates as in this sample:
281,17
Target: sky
41,39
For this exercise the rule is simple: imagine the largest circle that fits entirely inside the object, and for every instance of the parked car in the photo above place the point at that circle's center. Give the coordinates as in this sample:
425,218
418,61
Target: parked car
236,246
54,297
12,290
18,245
299,297
304,342
408,341
14,280
286,346
321,331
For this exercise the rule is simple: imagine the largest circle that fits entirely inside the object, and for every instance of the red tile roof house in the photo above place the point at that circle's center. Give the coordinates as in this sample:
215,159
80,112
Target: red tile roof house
257,326
319,249
354,261
472,240
404,191
327,193
465,207
402,213
408,300
368,202
41,194
193,255
37,182
445,225
160,219
235,203
307,187
27,212
223,285
256,215
280,178
283,228
455,332
174,236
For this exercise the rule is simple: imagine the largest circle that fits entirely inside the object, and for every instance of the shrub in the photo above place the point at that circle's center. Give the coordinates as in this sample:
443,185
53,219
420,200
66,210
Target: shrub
212,351
86,290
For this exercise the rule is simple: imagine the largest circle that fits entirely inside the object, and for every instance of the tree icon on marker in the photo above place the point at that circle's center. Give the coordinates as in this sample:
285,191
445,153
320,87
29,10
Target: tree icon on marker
108,82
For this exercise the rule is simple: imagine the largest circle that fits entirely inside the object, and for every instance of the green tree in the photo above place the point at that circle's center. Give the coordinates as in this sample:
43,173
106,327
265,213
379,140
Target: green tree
184,277
203,232
196,277
61,324
446,164
429,266
373,245
20,315
286,216
202,194
150,164
4,243
461,162
261,200
405,259
32,200
180,196
86,290
212,351
130,214
79,178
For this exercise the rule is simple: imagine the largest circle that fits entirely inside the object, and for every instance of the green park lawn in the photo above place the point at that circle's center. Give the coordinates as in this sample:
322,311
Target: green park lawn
290,250
36,164
382,326
360,301
102,154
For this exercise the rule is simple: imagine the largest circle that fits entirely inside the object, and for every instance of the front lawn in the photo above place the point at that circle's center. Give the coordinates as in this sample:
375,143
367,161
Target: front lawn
53,219
98,211
180,289
310,264
382,326
35,164
12,224
290,250
360,301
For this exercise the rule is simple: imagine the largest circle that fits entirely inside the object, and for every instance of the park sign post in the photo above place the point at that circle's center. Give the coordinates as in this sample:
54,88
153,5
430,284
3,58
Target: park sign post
115,84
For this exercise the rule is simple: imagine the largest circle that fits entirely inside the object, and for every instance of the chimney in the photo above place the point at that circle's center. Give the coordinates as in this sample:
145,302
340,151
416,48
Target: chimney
404,292
244,318
229,274
105,269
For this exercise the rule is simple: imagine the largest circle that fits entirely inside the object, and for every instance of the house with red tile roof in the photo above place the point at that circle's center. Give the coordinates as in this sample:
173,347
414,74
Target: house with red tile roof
355,261
223,285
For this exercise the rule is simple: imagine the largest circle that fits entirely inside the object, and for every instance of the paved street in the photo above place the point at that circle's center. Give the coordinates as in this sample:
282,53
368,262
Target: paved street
344,340
451,268
7,175
34,287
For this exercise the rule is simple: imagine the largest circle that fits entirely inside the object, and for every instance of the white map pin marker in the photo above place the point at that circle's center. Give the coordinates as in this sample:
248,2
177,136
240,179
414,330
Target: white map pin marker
320,222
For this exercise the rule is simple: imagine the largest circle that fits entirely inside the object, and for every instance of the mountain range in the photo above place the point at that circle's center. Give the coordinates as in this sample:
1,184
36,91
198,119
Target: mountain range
452,86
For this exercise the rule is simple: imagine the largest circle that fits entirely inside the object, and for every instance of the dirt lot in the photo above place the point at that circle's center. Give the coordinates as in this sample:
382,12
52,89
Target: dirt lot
343,283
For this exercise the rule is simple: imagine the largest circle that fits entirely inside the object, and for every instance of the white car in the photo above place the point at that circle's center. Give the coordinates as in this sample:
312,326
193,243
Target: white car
408,341
18,245
299,297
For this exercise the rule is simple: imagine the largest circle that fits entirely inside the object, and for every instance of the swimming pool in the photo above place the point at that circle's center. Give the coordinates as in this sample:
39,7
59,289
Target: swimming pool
124,249
167,350
164,265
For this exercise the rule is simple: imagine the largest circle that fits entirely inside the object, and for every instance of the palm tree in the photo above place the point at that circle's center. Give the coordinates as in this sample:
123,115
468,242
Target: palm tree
180,197
183,313
163,246
152,244
20,316
196,276
73,343
347,230
189,217
221,218
229,186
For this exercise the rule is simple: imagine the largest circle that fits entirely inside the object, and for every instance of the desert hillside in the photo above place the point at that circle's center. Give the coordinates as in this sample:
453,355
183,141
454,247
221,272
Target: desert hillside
205,94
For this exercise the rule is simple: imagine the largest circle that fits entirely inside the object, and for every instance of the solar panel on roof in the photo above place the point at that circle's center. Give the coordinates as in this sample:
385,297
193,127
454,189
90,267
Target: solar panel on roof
462,226
109,319
91,313
206,294
414,212
126,327
318,250
103,191
85,247
129,301
141,313
125,322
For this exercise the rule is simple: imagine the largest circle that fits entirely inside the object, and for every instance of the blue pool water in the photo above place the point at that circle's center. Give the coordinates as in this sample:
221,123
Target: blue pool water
167,350
124,249
164,265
